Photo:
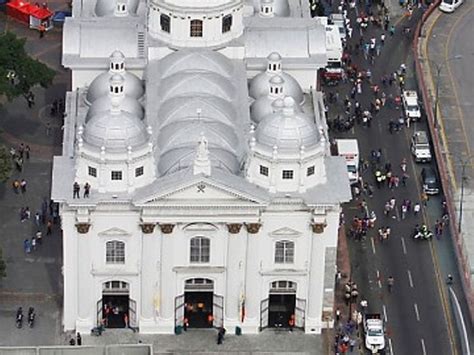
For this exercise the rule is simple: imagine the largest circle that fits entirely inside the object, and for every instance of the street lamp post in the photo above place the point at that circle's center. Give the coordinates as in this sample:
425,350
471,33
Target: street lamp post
461,199
439,67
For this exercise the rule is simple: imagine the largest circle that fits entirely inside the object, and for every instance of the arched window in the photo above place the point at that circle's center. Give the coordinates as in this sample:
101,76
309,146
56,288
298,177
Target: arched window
165,23
284,252
115,252
196,28
226,23
200,250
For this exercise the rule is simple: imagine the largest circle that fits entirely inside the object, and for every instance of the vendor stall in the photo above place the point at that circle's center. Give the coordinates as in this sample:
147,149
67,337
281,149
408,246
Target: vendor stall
34,15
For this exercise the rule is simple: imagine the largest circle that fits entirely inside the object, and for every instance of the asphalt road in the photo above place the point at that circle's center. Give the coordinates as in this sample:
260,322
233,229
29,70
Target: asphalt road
417,315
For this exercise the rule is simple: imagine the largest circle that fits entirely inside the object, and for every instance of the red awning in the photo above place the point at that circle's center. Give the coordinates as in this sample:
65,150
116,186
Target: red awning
22,10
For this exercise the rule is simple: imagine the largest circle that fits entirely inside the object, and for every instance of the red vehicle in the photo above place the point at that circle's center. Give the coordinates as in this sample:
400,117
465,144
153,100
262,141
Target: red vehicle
33,15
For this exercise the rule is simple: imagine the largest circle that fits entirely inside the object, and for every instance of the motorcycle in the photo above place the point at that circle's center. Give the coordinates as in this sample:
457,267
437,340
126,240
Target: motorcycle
19,318
423,235
31,317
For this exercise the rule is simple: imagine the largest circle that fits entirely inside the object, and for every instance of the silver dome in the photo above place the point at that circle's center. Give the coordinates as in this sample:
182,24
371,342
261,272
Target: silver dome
99,87
265,106
104,104
260,86
196,61
115,131
107,7
204,108
287,129
208,83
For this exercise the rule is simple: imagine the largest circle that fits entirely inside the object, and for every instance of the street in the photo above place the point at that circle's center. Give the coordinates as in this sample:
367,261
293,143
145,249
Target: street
416,311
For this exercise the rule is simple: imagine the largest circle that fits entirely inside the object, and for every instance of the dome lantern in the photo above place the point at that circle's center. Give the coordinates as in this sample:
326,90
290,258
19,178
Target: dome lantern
117,59
274,63
267,8
121,9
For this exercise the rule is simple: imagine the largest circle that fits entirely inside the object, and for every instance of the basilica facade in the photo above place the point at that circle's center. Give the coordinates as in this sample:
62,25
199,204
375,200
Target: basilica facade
214,200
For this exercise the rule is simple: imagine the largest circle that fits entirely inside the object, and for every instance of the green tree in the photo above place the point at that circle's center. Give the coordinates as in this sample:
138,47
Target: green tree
27,72
3,266
5,164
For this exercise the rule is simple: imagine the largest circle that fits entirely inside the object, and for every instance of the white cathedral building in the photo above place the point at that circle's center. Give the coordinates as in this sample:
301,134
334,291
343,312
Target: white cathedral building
214,200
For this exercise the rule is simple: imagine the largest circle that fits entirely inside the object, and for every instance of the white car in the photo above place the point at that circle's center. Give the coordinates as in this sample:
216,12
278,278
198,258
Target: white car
450,5
410,105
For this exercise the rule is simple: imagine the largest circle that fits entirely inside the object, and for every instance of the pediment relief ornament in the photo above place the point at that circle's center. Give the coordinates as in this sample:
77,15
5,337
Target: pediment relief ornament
114,232
83,228
285,232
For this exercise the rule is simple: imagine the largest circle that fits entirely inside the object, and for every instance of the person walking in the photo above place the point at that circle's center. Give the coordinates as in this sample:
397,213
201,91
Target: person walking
78,339
49,227
37,219
390,282
23,186
33,243
39,237
75,190
27,152
87,189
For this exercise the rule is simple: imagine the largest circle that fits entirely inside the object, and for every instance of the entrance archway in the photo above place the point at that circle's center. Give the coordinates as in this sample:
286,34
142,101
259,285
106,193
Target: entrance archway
116,309
199,305
282,309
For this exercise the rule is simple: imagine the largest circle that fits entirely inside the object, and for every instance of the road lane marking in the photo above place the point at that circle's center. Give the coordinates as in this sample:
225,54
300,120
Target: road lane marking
423,347
378,279
417,313
373,245
385,319
404,247
410,279
390,345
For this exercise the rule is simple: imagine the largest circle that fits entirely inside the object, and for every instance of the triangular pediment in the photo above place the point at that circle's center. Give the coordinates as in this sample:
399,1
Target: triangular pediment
285,232
204,191
114,232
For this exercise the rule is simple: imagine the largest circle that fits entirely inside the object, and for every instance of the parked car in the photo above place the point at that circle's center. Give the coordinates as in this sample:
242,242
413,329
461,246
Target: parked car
430,181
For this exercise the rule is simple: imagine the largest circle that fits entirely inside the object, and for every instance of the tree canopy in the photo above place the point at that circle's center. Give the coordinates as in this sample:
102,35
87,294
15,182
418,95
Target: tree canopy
3,266
5,164
18,71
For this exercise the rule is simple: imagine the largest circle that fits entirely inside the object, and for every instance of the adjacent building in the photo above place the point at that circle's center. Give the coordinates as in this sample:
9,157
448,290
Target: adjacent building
200,129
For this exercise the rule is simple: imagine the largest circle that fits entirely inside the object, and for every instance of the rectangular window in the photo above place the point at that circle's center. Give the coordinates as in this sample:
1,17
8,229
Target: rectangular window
92,171
287,174
226,23
200,250
116,175
139,171
165,23
310,171
196,28
263,170
284,252
115,252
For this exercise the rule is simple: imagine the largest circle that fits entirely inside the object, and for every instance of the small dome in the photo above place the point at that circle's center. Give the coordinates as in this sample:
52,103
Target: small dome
115,131
104,104
117,55
287,129
274,57
99,87
260,86
277,80
109,7
265,106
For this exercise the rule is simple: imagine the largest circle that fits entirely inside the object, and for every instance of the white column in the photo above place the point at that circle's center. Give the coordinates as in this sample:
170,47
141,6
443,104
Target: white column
235,277
252,284
167,283
69,270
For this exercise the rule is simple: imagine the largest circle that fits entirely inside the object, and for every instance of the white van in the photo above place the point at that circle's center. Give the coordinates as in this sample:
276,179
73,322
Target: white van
410,104
450,5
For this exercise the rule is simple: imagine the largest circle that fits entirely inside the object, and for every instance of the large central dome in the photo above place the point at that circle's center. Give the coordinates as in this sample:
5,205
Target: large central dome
197,3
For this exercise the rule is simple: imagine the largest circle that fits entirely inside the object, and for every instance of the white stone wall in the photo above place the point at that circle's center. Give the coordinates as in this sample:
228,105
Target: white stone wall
242,266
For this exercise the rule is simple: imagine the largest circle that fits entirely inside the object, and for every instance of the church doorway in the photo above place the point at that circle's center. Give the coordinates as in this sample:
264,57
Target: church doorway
279,309
199,307
116,309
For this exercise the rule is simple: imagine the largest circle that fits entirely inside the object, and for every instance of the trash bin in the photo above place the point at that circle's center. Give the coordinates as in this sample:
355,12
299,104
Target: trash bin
238,331
178,330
